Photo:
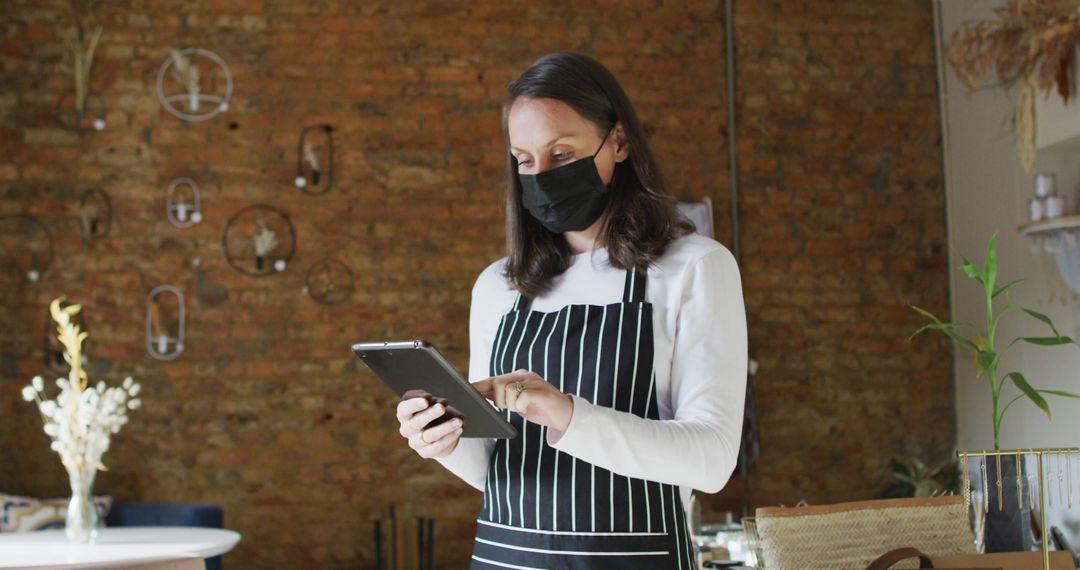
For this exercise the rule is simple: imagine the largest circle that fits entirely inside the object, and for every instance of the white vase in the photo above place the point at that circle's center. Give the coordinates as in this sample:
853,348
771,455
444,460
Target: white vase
81,520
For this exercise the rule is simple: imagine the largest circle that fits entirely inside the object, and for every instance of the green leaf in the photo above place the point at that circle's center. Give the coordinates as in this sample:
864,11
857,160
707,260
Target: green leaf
986,360
1061,393
991,263
947,329
1032,394
1002,289
972,271
1047,340
926,313
944,327
1004,311
1042,318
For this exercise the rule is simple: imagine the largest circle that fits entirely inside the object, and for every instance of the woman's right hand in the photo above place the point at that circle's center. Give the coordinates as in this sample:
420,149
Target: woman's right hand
439,441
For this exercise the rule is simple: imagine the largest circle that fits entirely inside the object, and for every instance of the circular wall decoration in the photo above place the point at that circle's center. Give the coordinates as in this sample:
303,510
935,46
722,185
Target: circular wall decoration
183,203
95,215
185,75
315,160
165,325
259,240
91,118
329,282
26,247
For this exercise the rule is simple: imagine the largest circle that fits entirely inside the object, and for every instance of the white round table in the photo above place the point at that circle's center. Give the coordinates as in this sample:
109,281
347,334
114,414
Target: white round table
115,546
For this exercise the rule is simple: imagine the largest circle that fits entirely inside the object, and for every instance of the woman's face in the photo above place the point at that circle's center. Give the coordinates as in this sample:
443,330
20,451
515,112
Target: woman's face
547,133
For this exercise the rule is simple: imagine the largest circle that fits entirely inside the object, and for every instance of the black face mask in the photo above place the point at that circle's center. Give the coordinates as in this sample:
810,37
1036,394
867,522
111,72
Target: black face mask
569,198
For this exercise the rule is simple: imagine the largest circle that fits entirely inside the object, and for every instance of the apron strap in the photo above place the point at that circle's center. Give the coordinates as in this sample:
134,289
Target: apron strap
633,291
634,286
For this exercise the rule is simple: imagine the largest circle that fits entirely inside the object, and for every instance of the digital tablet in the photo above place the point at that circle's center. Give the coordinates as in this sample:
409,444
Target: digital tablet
417,365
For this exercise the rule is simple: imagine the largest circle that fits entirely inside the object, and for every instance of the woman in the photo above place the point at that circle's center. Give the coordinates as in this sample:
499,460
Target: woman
613,337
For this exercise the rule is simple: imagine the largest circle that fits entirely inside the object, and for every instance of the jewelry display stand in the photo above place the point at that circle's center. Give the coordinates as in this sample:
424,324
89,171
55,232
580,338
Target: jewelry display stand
991,485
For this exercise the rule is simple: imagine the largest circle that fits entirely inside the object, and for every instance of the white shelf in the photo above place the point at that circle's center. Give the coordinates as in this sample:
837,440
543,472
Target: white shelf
1060,237
1050,226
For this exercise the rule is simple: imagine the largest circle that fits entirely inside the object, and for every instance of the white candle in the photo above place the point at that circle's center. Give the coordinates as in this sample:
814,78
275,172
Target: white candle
1045,185
162,344
181,212
1055,207
1035,209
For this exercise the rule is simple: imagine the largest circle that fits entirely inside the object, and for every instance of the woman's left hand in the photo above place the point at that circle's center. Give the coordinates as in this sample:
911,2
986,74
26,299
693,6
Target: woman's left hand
534,398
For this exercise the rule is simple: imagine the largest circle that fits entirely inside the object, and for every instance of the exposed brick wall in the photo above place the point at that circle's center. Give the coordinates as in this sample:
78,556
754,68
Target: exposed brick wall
844,226
267,414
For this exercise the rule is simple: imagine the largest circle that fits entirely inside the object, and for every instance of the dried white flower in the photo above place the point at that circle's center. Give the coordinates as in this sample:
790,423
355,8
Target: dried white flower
185,73
81,419
265,241
310,156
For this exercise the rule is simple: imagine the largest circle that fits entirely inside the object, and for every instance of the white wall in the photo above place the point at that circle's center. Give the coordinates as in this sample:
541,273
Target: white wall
986,192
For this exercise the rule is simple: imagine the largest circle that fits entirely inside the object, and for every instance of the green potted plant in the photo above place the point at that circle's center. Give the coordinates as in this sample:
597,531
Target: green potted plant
1013,533
917,479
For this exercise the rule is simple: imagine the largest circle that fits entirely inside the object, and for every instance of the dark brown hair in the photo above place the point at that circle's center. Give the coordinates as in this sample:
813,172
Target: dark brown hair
641,215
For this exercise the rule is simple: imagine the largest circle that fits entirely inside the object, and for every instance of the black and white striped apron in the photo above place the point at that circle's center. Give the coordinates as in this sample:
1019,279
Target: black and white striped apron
546,509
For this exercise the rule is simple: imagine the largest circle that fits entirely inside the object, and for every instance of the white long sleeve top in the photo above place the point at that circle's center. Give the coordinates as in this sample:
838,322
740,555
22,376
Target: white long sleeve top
700,362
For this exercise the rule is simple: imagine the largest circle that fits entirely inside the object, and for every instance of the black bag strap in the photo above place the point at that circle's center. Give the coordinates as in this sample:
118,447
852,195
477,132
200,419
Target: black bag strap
887,560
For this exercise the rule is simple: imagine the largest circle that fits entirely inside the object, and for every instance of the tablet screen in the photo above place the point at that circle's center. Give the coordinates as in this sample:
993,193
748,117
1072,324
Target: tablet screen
417,365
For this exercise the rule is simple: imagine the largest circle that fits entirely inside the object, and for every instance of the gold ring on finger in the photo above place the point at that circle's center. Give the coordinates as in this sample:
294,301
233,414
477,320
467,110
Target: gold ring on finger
519,386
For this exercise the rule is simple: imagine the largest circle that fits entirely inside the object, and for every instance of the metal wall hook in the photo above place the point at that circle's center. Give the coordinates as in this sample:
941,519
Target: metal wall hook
183,214
186,105
315,176
159,343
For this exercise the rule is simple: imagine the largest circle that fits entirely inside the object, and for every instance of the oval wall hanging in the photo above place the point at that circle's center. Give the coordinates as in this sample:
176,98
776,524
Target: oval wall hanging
315,160
165,325
183,203
95,215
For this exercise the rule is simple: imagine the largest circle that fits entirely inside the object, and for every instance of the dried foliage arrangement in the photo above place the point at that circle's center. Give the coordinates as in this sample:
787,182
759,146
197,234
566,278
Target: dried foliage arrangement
188,76
1031,42
80,42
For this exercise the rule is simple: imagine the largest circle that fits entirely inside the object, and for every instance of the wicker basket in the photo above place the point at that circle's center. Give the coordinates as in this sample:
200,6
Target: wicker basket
851,535
753,541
